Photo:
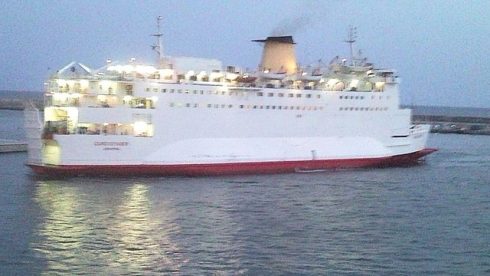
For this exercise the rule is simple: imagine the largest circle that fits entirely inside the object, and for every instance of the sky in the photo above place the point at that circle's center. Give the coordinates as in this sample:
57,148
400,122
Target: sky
439,48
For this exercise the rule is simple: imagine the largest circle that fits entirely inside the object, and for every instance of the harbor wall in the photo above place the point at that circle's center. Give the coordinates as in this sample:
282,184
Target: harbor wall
12,146
455,124
19,104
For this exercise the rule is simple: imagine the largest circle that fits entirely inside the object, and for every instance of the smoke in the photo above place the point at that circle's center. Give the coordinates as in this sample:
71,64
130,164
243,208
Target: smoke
291,26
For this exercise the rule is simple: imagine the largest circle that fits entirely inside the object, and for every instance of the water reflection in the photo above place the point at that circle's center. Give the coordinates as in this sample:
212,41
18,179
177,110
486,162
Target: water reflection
104,229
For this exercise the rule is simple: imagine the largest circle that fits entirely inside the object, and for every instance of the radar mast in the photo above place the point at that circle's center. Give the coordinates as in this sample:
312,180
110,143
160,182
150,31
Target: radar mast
158,47
351,38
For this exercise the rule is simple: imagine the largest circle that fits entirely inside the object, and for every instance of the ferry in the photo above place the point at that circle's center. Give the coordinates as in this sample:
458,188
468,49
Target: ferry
192,116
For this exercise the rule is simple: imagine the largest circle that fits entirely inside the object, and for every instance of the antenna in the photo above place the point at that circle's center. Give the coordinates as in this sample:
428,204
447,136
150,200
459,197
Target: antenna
158,47
351,39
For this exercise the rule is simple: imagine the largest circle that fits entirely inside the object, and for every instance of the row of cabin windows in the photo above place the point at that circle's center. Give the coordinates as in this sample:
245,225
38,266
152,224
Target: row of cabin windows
363,108
259,94
216,92
361,97
242,106
289,95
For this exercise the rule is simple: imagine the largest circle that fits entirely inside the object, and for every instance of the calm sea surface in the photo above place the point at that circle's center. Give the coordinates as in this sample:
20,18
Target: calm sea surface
428,219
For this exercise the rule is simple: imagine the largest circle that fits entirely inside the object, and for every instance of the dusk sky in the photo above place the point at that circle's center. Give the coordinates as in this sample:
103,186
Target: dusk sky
440,49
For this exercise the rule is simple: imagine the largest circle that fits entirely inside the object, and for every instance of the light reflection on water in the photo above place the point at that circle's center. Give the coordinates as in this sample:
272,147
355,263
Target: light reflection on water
89,227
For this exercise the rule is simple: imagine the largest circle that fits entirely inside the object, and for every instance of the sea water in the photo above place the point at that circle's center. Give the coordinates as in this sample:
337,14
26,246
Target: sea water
433,218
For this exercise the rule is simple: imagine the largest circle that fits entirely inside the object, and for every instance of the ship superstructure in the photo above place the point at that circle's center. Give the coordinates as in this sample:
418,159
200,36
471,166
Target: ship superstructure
192,116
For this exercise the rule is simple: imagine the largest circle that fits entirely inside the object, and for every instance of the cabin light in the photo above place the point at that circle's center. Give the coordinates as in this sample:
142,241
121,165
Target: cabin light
132,59
231,76
166,72
106,124
216,75
108,60
60,96
106,84
201,75
61,82
379,85
154,98
189,74
354,83
303,74
83,84
140,127
332,82
266,71
145,69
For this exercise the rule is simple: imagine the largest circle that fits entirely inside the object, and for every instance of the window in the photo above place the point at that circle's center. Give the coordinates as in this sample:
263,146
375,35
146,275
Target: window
147,89
270,95
260,94
298,95
155,89
291,95
164,90
280,95
171,90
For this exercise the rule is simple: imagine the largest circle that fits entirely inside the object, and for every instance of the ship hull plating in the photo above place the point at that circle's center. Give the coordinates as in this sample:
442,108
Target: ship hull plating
271,167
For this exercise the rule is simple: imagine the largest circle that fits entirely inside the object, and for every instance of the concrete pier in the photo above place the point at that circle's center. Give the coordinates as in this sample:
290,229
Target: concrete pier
455,124
12,146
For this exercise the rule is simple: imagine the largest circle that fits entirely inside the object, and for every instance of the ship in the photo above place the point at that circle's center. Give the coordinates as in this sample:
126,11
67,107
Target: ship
187,116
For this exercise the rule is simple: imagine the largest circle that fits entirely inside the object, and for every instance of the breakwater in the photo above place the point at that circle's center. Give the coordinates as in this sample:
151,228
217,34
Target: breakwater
19,104
12,146
455,124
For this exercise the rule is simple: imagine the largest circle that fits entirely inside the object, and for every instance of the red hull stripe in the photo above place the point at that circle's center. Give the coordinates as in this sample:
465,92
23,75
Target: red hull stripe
231,168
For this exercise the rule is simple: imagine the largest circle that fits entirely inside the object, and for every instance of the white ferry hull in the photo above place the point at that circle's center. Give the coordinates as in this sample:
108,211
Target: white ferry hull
232,168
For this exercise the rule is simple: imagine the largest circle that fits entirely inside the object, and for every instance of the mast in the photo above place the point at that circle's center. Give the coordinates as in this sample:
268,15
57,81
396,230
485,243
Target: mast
351,38
158,47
